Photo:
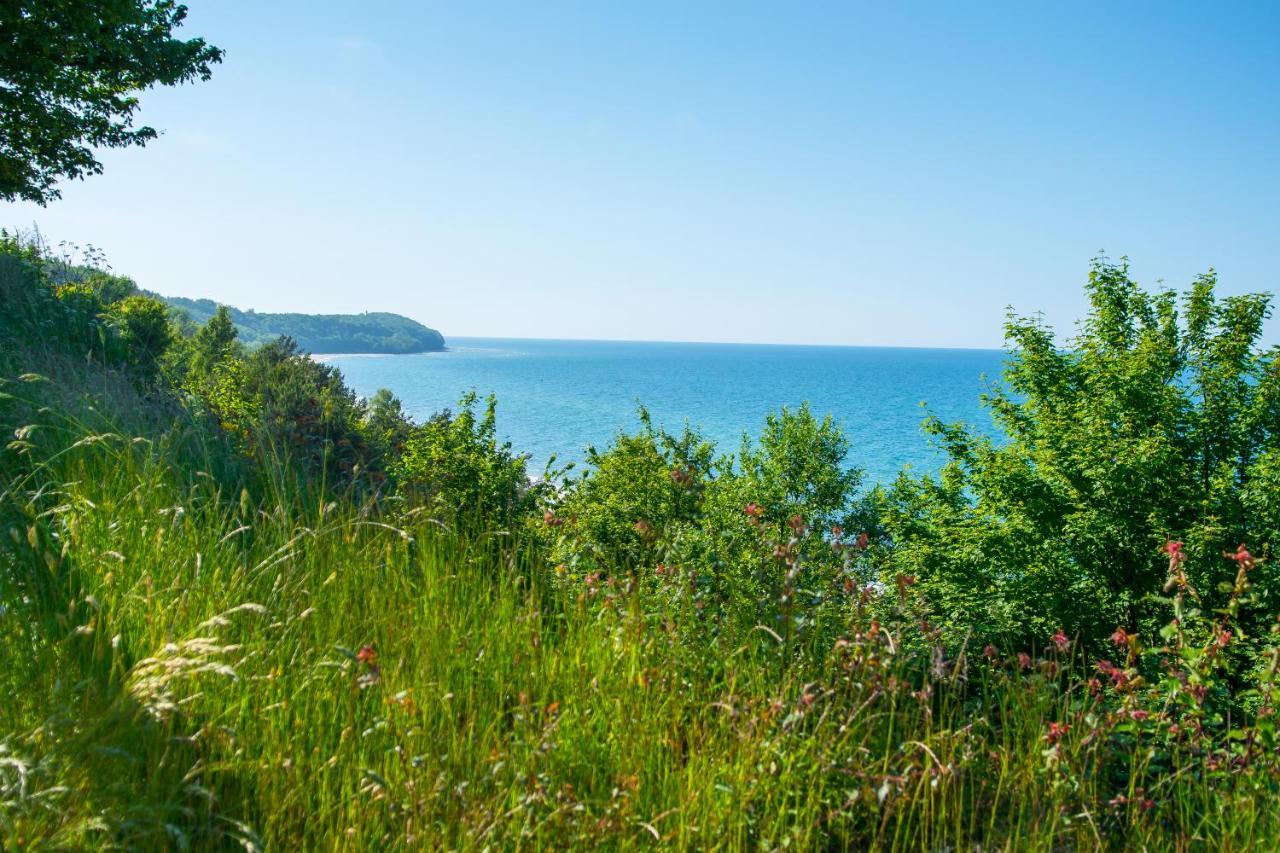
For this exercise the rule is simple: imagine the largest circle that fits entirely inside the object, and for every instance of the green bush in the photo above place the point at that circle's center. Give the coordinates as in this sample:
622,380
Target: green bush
1145,427
454,465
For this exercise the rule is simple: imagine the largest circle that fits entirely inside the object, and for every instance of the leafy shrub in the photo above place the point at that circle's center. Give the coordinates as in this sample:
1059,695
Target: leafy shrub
454,465
1145,427
299,409
739,542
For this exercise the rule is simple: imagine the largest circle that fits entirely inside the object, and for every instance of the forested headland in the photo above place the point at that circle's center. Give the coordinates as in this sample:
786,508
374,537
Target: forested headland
370,332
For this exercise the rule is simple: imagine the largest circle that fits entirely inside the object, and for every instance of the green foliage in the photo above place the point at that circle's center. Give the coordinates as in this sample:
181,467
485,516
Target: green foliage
373,332
303,412
1141,430
188,666
211,351
69,74
145,329
742,542
385,424
219,627
454,465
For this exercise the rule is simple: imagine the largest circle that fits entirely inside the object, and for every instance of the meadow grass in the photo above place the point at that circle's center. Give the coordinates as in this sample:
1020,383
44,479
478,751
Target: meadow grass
193,665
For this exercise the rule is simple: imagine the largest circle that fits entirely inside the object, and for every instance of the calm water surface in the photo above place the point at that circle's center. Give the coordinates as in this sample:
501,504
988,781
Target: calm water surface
557,397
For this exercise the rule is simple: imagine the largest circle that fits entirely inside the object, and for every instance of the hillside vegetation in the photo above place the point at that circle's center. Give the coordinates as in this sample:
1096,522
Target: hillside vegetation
241,606
371,332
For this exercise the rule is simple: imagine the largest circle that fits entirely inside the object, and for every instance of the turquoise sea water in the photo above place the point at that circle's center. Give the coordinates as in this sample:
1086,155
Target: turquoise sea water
557,397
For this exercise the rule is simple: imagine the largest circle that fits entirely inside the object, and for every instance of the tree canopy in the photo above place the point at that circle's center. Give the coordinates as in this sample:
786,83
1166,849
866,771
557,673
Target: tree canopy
70,73
371,332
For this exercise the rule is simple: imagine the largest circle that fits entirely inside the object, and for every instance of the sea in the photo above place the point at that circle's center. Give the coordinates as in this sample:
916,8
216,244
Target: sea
557,397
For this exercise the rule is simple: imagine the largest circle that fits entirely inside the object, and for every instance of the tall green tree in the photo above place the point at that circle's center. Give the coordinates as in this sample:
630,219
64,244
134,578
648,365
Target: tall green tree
70,73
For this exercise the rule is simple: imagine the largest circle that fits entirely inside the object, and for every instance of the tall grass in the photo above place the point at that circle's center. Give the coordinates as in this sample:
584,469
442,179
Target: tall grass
190,664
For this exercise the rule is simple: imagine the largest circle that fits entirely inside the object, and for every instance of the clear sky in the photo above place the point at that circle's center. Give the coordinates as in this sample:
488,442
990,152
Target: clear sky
803,173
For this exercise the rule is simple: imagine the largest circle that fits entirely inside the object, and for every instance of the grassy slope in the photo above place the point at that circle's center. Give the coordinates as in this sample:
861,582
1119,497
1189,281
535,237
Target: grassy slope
184,668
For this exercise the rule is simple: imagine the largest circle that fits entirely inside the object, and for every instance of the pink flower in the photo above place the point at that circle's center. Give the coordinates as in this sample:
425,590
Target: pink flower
1024,660
1174,550
1056,732
1060,641
1120,637
796,523
1242,557
990,652
550,519
862,542
366,654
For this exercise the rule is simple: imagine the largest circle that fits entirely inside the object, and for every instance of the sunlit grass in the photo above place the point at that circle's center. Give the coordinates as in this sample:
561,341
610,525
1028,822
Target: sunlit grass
191,665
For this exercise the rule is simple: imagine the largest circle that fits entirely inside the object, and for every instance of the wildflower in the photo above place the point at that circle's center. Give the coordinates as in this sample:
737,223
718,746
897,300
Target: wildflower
404,700
1056,731
836,531
753,511
1139,714
1242,557
367,655
644,528
861,544
1024,660
796,523
1223,639
1147,804
681,476
1060,641
990,652
550,519
1120,637
1094,685
1174,550
370,678
661,569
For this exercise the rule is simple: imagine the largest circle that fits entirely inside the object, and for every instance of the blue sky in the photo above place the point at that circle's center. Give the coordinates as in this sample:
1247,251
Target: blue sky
854,174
